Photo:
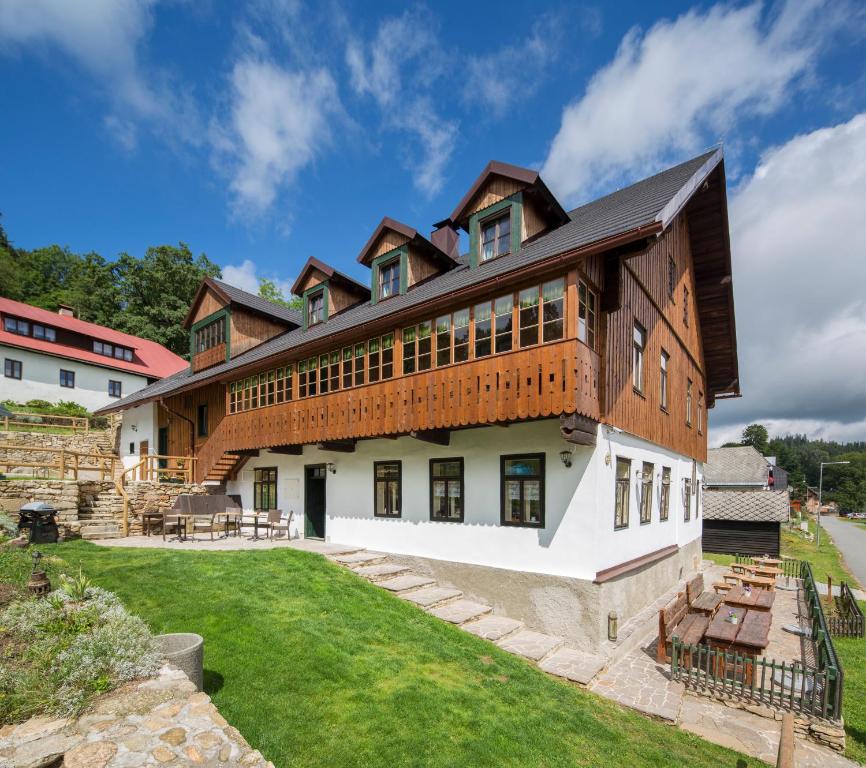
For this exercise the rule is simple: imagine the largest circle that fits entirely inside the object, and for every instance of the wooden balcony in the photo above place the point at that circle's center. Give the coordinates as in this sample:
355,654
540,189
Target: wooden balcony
209,357
548,380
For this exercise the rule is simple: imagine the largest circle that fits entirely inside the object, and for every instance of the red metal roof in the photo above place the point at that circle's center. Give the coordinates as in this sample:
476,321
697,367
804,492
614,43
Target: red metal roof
149,358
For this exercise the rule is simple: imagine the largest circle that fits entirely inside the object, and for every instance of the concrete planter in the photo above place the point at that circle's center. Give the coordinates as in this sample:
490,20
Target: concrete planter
186,651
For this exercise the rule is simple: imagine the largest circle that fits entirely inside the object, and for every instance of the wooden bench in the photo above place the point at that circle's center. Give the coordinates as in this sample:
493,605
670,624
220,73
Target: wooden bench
675,619
700,600
722,587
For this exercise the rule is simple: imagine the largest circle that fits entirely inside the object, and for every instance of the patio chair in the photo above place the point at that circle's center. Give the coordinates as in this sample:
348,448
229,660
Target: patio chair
284,524
170,522
205,524
273,519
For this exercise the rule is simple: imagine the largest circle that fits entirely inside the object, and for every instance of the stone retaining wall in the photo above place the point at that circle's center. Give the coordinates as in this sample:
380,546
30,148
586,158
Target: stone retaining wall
153,497
96,442
151,722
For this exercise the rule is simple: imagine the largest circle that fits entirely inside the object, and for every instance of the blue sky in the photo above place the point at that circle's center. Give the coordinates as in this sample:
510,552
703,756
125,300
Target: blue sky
267,132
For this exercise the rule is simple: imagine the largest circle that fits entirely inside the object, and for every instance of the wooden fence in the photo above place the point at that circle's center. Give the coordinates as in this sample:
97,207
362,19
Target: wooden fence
45,422
847,621
813,690
791,568
56,463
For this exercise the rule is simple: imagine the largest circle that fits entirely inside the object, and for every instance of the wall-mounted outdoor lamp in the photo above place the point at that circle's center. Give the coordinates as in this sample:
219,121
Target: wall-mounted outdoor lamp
612,626
565,457
332,468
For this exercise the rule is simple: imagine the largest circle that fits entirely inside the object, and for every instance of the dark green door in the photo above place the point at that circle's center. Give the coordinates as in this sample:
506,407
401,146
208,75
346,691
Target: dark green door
314,501
162,446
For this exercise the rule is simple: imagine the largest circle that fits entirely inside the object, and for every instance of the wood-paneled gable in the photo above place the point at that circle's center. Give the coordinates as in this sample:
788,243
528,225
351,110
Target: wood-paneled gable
497,189
313,278
419,267
388,242
533,221
641,414
209,304
248,330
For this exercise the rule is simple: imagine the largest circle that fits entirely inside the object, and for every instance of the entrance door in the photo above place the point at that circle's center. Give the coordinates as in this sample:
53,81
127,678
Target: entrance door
162,446
314,501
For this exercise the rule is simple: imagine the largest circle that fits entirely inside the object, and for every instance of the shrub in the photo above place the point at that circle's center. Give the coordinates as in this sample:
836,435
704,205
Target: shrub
62,651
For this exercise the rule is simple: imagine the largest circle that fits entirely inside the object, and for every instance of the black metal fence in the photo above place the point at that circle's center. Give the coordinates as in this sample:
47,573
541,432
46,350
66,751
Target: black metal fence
814,690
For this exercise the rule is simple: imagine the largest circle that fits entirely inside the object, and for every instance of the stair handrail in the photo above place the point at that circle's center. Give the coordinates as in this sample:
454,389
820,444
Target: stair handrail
119,483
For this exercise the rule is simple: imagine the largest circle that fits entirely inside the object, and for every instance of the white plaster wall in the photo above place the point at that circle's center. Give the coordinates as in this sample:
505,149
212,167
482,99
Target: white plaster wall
40,380
138,424
578,539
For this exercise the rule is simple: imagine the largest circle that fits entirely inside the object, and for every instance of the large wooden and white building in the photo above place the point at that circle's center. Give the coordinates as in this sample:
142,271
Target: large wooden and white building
533,412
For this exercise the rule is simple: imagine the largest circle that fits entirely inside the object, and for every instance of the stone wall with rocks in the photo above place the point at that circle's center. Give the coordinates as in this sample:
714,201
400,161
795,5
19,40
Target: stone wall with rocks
162,721
14,457
93,509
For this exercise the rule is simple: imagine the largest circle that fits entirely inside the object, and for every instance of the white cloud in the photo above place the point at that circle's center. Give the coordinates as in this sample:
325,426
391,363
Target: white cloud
680,86
397,70
799,278
104,37
246,277
278,121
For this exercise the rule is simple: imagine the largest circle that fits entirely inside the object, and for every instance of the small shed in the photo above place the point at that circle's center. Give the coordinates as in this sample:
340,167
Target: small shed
744,522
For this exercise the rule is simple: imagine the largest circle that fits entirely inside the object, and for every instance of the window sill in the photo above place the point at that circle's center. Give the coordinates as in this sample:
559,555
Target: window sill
638,392
664,410
645,522
509,524
387,517
663,519
446,520
621,527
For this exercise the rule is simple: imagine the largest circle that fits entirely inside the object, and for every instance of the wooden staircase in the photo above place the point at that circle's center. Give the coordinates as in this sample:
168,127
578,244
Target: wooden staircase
226,467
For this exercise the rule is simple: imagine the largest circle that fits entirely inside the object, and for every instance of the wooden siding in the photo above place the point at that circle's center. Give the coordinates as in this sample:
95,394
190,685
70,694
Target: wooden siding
533,223
388,242
183,407
339,299
209,357
314,277
641,414
739,537
543,381
419,267
249,330
209,304
498,189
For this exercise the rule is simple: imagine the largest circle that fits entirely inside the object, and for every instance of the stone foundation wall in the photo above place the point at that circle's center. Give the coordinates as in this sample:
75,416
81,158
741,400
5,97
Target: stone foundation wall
154,497
96,442
63,495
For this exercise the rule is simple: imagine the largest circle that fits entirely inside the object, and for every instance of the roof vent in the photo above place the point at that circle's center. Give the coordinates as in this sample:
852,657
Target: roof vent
446,239
65,310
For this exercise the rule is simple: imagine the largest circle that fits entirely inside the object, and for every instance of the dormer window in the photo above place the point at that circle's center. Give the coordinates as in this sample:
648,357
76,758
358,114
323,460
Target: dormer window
315,308
389,279
496,236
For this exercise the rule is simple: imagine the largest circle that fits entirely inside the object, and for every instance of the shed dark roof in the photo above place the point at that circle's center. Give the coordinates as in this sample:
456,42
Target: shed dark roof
641,205
748,506
736,465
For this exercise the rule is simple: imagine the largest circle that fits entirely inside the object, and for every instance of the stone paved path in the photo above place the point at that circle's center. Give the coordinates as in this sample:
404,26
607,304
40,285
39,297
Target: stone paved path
631,678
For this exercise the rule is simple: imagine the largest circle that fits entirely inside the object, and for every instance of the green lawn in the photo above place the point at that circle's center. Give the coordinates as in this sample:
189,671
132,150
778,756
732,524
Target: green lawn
318,668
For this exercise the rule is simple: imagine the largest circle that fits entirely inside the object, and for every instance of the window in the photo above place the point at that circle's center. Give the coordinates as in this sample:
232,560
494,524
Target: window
265,488
665,500
483,332
207,337
553,310
700,413
316,308
44,332
13,325
622,493
12,368
347,367
672,277
528,304
586,309
359,364
638,346
324,374
663,380
389,279
335,371
689,402
417,347
201,420
646,493
114,388
522,490
496,236
381,358
504,317
687,499
460,320
387,481
443,340
67,379
685,306
446,490
697,500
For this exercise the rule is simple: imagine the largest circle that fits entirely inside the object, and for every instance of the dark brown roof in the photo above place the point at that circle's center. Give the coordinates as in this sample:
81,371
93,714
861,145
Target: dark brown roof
333,275
522,175
634,211
749,506
230,294
421,242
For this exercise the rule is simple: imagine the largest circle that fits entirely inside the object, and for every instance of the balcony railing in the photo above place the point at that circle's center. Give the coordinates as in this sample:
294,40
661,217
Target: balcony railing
212,356
547,380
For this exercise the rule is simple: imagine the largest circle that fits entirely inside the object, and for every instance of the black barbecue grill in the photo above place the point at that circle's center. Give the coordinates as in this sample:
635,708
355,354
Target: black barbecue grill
37,519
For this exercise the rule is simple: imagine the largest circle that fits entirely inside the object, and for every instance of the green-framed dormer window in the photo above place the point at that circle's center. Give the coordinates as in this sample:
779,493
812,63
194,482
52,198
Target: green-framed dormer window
316,308
496,236
390,274
389,279
496,230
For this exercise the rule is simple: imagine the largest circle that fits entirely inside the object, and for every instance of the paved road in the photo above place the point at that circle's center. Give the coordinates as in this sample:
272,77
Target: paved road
851,540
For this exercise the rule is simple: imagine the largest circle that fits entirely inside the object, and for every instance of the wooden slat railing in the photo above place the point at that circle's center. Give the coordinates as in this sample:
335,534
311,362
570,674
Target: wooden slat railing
847,621
44,422
63,464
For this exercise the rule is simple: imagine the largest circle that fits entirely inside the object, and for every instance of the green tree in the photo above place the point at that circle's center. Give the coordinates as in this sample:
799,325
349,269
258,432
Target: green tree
757,436
156,292
10,278
268,289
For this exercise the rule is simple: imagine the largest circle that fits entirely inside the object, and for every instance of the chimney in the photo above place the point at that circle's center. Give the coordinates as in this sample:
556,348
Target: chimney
65,310
446,239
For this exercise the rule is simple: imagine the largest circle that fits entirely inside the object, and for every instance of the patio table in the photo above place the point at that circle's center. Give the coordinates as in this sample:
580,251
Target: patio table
768,571
228,517
755,599
768,561
185,517
759,581
747,638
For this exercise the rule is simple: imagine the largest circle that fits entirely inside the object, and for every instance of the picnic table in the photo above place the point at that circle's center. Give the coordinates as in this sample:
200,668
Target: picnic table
747,638
754,599
768,561
769,571
758,581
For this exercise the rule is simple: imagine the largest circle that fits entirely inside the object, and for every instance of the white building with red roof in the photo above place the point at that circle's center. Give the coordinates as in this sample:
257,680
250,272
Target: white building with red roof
55,356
